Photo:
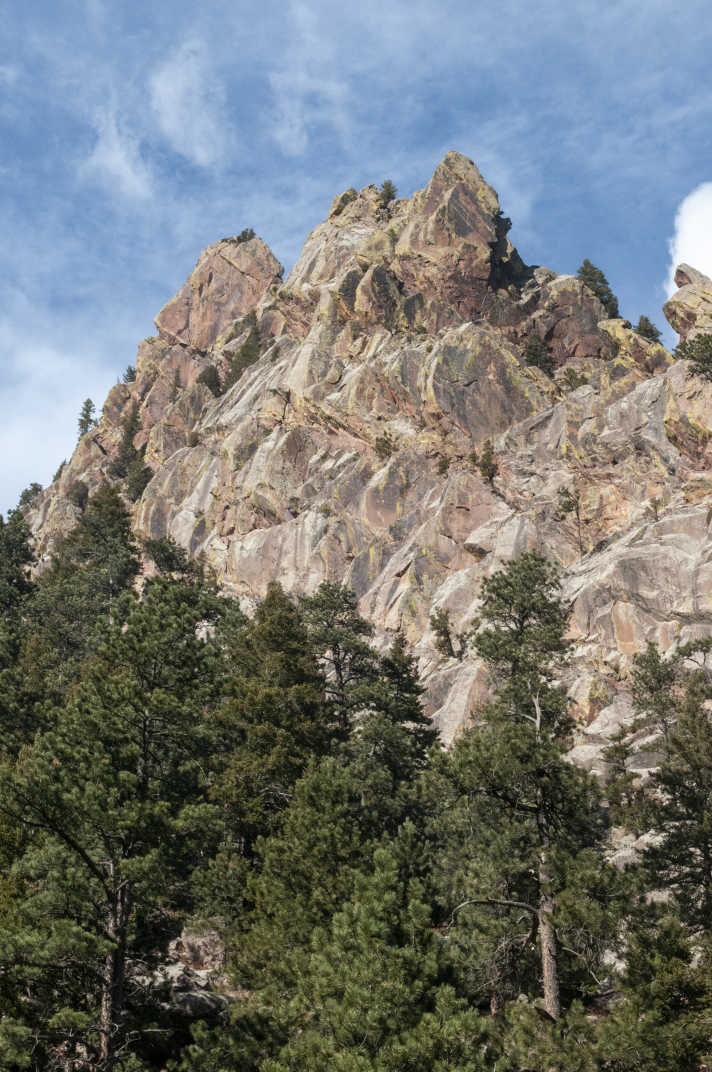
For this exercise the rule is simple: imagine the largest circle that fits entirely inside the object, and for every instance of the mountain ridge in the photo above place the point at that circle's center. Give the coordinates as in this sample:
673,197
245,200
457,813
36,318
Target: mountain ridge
394,350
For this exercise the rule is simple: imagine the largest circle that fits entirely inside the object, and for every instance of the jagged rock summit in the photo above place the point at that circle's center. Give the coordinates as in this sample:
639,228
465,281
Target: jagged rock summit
361,393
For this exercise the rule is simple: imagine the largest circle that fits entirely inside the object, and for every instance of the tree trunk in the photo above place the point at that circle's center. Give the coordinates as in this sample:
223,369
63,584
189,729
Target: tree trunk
547,903
112,995
547,940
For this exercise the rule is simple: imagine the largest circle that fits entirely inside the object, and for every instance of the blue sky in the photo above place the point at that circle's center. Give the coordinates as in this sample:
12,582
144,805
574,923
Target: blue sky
131,137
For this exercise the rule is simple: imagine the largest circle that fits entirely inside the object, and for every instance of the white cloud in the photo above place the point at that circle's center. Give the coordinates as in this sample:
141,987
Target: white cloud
189,102
692,241
45,381
116,159
305,89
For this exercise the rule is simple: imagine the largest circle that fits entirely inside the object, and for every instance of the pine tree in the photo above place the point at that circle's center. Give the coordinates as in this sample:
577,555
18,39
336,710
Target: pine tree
114,797
340,637
87,420
486,464
342,808
274,721
536,353
647,329
387,193
596,282
15,592
93,565
370,997
660,1020
126,454
521,829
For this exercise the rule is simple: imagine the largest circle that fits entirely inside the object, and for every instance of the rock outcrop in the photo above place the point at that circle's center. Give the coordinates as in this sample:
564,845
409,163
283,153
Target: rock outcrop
365,386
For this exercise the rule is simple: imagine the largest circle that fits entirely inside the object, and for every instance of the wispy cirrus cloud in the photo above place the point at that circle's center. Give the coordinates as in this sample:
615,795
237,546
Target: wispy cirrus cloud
188,100
116,159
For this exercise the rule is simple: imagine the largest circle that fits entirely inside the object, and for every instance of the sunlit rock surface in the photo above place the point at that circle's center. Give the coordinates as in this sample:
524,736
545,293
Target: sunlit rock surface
347,448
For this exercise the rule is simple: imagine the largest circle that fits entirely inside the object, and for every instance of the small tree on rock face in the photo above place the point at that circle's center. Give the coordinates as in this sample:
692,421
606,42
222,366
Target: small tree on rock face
647,329
596,282
698,352
441,626
536,353
127,451
387,193
570,502
87,420
246,356
486,463
130,374
29,494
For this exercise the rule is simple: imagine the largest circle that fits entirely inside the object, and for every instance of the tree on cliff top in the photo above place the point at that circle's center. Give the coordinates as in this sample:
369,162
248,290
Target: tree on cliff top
596,281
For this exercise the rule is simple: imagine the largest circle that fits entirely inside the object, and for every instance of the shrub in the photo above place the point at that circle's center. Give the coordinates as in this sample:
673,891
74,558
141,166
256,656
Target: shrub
78,494
244,236
209,376
247,355
130,374
698,352
487,465
384,446
647,329
443,464
572,379
536,353
29,494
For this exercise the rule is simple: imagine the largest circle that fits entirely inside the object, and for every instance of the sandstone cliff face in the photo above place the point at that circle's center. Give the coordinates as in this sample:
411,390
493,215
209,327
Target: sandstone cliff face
393,350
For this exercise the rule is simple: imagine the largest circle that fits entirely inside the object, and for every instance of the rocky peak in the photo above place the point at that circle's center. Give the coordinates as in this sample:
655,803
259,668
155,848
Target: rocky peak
689,310
357,398
226,283
428,261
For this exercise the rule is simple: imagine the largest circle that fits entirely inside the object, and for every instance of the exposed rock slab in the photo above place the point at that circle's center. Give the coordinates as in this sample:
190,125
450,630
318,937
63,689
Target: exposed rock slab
348,448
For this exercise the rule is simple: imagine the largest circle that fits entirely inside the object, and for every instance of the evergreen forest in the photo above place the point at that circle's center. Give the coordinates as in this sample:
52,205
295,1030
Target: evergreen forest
171,764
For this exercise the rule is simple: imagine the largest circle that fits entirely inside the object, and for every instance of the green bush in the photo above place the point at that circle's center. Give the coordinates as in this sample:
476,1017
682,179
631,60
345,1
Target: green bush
384,446
536,353
29,494
698,352
486,464
572,379
247,355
